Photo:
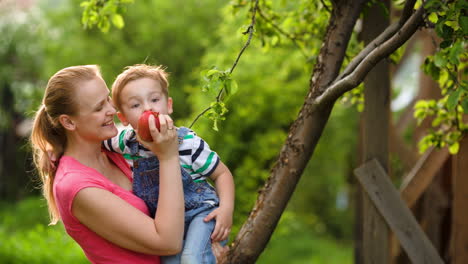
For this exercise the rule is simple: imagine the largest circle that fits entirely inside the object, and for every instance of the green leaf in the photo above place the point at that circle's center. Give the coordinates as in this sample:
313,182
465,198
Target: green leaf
455,52
463,22
118,21
419,113
421,104
453,149
433,18
85,4
439,60
452,100
445,44
452,24
464,105
443,30
425,143
212,72
431,69
234,86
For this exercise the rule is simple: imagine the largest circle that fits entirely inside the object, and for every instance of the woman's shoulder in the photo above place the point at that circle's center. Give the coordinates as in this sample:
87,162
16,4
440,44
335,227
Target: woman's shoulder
72,175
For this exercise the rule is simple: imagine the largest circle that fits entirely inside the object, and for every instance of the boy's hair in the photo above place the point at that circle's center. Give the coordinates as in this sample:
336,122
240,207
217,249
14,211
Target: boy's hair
136,72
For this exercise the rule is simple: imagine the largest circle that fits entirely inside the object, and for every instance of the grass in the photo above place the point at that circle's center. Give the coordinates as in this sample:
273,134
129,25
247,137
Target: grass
25,237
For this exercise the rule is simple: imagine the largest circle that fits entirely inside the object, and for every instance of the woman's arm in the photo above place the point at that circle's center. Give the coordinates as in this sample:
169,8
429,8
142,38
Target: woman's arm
124,225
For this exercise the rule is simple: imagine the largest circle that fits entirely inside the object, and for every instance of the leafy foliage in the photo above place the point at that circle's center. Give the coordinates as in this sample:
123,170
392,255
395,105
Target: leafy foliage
448,66
269,97
157,39
26,238
218,84
103,14
21,57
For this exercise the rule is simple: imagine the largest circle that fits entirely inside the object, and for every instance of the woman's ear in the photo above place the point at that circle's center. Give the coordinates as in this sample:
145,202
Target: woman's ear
67,122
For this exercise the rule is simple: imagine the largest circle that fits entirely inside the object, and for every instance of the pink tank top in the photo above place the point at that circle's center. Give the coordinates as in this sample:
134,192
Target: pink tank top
73,176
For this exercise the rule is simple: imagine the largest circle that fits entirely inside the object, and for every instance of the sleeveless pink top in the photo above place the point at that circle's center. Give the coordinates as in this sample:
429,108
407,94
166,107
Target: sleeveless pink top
71,177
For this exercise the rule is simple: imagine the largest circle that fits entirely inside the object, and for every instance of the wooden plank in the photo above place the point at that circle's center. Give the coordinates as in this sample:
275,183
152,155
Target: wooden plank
386,198
422,174
459,237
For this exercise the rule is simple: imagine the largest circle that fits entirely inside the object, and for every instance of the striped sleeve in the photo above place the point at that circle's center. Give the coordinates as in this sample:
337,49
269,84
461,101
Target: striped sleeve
118,143
197,157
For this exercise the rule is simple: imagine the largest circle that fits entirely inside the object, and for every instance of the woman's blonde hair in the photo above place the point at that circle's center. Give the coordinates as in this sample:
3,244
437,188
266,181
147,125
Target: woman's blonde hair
48,137
139,71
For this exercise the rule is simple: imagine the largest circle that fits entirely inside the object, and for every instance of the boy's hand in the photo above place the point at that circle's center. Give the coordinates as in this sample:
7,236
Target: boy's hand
223,225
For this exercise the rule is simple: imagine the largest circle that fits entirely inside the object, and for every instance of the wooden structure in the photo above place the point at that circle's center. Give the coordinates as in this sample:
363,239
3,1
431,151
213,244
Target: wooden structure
398,216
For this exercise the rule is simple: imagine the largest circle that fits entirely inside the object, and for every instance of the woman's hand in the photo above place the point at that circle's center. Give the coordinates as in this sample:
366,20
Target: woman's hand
219,251
164,144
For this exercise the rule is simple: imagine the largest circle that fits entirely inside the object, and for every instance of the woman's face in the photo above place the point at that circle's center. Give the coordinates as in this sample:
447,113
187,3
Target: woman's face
94,120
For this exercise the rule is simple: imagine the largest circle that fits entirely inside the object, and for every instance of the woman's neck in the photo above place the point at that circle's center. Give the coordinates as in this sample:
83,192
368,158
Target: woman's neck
88,154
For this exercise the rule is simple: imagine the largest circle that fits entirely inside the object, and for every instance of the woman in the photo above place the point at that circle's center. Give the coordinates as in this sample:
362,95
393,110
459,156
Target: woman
89,188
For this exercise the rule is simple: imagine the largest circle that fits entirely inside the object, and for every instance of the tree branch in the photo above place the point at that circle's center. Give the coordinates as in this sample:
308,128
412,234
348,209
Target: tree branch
325,6
389,32
282,32
199,115
250,31
372,57
407,11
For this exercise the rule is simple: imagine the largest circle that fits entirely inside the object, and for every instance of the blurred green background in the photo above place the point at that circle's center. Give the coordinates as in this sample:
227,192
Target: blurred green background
41,37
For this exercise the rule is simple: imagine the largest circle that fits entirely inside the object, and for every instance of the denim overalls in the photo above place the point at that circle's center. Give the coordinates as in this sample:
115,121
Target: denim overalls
198,195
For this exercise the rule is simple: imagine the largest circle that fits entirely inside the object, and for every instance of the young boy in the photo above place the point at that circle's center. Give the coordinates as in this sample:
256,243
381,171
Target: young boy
144,87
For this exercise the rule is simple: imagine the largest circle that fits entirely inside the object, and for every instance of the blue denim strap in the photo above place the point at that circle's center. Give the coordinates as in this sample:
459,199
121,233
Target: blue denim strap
181,133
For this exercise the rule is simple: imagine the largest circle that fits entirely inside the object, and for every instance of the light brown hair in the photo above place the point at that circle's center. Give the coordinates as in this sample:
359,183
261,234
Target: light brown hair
48,137
135,72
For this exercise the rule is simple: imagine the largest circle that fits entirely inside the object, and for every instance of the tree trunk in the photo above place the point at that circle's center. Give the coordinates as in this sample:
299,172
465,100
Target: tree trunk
12,174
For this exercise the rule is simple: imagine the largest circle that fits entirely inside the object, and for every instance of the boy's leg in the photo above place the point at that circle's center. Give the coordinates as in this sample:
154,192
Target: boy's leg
197,246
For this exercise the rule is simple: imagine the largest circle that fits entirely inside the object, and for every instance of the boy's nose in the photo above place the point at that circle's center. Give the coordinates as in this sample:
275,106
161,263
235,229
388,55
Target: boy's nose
148,107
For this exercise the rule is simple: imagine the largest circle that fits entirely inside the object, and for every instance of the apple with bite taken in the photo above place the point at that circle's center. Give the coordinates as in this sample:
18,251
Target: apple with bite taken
143,125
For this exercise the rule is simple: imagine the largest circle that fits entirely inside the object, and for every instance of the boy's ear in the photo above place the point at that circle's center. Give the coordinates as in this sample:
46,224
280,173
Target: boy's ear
122,118
169,105
67,122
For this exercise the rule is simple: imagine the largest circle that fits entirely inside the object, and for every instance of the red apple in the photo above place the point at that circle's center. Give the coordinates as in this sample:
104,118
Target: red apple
143,125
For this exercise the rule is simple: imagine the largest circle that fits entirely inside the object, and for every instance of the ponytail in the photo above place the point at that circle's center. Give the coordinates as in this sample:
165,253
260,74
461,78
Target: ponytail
46,153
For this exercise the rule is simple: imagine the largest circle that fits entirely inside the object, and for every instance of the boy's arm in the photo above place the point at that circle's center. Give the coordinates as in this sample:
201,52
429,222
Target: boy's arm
118,143
206,163
224,183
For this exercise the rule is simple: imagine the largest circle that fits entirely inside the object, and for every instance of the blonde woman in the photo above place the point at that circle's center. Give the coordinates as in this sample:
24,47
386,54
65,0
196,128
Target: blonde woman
89,188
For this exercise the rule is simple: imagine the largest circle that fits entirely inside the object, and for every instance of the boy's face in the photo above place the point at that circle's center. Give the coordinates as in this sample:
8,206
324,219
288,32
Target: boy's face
141,95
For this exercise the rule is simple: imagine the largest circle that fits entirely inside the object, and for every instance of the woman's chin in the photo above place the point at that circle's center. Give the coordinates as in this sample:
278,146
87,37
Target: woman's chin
110,131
